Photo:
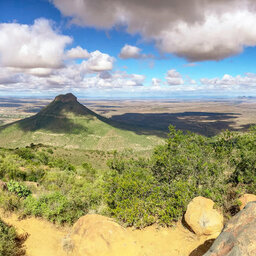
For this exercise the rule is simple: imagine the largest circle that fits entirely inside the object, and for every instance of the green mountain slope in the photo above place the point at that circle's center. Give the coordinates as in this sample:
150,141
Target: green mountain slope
67,123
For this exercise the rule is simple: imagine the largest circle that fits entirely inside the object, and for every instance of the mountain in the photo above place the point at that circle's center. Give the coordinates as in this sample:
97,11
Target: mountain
67,123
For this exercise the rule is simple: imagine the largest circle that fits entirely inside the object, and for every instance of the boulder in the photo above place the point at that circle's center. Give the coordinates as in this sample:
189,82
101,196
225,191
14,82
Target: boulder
245,199
97,235
238,238
202,218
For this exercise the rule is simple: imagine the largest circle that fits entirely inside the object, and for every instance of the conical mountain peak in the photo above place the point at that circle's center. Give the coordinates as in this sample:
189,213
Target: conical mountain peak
63,104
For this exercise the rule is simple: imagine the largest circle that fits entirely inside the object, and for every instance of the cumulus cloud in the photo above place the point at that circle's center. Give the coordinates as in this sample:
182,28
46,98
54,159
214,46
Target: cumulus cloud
77,53
173,77
39,71
229,81
195,29
33,58
35,46
117,79
133,52
130,52
8,77
216,38
73,76
156,82
99,62
105,75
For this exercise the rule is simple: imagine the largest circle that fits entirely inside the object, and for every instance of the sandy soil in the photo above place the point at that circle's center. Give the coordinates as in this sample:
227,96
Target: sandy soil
45,239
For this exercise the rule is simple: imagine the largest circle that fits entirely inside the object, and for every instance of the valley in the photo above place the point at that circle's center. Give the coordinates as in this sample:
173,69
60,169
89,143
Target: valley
66,163
204,117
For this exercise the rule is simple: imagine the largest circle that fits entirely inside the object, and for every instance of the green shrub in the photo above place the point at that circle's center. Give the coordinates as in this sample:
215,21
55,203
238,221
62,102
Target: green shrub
88,172
61,164
137,199
50,151
55,207
35,175
137,191
25,153
10,202
9,242
18,189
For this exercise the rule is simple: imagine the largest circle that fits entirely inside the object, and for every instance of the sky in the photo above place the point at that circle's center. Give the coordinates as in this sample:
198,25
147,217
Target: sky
128,49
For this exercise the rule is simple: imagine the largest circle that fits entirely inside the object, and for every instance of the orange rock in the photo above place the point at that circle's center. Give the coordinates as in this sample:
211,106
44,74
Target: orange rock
202,218
245,199
97,235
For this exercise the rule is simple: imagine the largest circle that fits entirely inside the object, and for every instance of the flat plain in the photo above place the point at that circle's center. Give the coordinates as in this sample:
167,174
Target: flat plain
203,117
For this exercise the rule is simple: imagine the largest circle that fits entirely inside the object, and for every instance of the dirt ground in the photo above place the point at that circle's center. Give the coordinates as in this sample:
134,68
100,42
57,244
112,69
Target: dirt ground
46,239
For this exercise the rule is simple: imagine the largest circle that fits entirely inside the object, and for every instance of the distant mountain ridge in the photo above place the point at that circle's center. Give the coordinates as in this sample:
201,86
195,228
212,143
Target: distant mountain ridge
67,123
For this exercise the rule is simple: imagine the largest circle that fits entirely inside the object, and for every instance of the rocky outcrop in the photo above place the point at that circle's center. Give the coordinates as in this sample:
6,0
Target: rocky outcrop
238,237
202,218
97,235
69,97
245,199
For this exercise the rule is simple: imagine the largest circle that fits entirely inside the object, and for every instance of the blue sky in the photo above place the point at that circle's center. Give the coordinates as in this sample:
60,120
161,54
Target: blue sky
124,49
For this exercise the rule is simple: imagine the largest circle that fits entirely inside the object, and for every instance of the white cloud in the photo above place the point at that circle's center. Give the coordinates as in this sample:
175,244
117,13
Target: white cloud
35,46
228,81
192,81
77,53
195,29
99,61
73,76
120,80
130,52
174,78
39,71
133,52
156,82
214,39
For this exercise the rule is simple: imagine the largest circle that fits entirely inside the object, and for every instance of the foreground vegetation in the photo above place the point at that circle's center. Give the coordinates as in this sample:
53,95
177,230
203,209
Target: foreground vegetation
135,190
10,244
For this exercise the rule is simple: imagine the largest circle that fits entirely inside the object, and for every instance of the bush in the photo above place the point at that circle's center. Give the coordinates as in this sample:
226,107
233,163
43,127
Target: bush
9,242
25,153
10,202
137,199
136,191
18,189
61,164
55,207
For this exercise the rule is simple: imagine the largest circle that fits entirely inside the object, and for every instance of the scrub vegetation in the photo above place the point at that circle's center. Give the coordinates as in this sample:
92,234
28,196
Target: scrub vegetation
135,189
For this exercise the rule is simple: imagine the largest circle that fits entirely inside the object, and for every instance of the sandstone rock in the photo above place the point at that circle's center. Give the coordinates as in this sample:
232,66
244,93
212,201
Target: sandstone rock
98,235
202,218
245,199
238,237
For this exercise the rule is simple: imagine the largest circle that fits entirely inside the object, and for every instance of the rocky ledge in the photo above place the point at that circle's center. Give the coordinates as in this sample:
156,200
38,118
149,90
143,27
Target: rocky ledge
238,238
69,97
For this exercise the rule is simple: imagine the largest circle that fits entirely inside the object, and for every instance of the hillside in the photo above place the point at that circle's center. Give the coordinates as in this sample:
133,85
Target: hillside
67,123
